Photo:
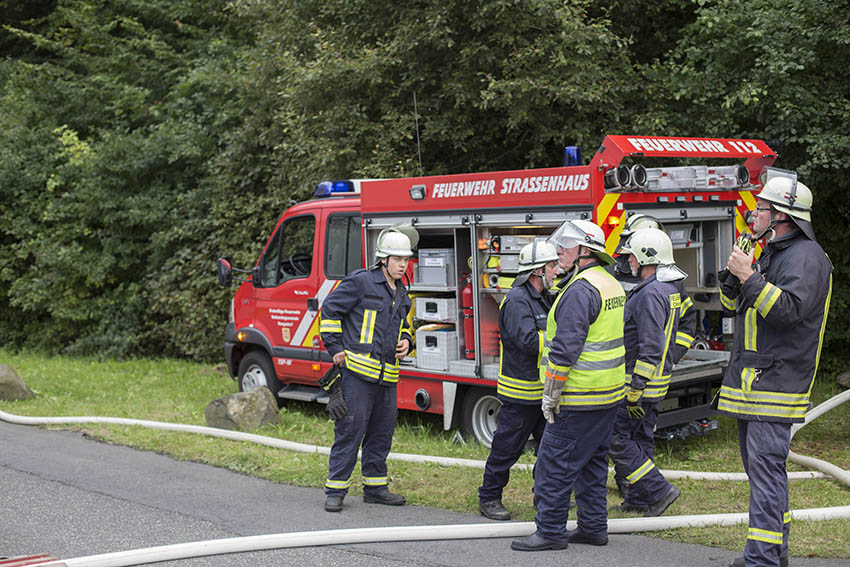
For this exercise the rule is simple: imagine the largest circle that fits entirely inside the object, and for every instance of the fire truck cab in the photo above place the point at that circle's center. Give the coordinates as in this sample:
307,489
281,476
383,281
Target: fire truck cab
471,228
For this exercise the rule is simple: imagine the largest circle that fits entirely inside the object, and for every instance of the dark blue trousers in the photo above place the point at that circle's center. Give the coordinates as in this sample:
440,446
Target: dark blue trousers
573,454
633,453
764,449
516,423
370,422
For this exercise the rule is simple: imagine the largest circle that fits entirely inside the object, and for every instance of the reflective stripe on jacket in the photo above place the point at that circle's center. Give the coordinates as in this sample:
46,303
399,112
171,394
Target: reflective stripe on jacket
781,313
522,321
652,316
687,332
584,341
362,318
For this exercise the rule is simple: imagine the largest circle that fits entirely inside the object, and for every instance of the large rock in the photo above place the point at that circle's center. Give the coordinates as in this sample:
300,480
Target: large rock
844,379
11,386
243,411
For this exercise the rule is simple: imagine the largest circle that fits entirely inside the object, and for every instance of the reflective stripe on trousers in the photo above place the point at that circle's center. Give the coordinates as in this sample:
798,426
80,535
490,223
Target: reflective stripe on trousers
370,421
764,449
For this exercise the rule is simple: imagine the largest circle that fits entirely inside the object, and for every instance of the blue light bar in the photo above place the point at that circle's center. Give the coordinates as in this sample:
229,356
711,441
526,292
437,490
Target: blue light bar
343,187
572,156
328,188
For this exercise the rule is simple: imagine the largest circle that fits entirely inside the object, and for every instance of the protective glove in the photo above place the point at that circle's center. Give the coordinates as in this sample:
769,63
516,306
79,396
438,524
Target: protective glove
727,278
745,242
337,407
635,409
551,403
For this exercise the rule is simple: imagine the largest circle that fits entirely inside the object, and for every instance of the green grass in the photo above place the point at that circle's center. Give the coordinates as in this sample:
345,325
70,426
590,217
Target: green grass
175,391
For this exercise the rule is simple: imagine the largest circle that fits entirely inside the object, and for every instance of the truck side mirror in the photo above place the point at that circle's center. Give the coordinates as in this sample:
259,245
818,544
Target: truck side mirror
257,276
225,273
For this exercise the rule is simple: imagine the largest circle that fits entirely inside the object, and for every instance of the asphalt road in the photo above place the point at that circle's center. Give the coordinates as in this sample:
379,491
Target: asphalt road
69,496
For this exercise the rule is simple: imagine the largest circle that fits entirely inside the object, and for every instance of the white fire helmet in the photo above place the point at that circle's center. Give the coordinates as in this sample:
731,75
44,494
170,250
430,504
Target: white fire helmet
533,256
633,223
652,246
536,255
393,242
789,196
582,233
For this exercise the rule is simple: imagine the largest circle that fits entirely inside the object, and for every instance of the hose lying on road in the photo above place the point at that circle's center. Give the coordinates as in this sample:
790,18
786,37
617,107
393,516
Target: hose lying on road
403,533
414,533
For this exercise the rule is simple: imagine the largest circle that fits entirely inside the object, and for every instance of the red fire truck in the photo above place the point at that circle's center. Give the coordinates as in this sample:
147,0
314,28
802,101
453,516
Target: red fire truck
471,228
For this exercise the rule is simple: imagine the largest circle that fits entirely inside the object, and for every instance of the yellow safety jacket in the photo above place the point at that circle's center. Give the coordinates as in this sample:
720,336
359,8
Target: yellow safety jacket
363,318
594,378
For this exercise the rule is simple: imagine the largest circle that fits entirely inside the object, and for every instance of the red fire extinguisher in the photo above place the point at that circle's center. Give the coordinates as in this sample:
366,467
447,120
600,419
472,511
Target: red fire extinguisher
468,319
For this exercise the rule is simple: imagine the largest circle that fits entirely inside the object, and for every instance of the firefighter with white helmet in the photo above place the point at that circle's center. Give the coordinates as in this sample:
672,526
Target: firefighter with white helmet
622,270
364,327
652,314
780,304
522,321
789,196
583,236
583,370
686,332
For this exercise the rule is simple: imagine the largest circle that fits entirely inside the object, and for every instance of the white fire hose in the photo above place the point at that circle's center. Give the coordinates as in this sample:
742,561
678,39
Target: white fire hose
420,533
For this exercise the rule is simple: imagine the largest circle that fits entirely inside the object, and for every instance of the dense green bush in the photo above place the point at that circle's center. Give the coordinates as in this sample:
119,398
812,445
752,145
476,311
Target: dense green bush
142,139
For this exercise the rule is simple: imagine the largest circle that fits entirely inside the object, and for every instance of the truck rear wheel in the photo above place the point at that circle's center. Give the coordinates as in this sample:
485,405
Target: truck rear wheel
255,371
481,415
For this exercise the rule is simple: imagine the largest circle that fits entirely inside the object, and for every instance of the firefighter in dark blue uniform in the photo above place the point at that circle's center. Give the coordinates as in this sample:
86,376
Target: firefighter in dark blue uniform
363,326
651,323
522,322
780,310
583,373
685,334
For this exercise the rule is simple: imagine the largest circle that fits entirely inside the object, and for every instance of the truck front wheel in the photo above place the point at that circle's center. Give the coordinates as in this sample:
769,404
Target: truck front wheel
480,415
255,371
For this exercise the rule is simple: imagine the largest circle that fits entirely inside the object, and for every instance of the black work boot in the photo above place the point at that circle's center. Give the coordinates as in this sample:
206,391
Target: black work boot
658,508
741,562
627,509
333,503
535,542
494,510
384,497
575,536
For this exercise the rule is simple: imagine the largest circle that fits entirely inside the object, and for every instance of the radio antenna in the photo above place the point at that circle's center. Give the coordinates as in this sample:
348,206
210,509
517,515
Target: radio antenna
418,146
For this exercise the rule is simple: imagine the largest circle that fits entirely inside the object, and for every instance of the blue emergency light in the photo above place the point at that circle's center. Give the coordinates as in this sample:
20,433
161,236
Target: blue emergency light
328,188
572,156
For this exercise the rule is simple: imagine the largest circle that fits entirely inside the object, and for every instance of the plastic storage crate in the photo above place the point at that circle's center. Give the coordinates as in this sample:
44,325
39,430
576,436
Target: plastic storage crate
436,267
438,309
434,349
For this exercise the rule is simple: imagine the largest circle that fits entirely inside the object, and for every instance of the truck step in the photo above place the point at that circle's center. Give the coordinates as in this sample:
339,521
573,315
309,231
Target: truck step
303,393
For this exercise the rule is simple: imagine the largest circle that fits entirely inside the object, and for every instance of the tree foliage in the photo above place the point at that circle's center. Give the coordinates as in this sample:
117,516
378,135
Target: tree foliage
774,71
108,123
141,139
